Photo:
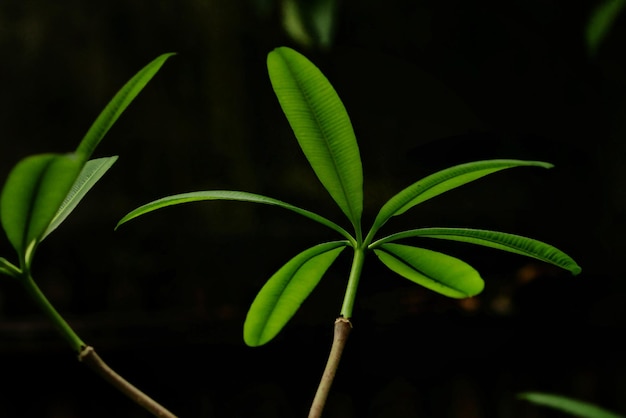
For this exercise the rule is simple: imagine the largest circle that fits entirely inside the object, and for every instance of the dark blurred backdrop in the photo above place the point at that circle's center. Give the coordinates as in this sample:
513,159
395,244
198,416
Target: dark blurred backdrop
427,84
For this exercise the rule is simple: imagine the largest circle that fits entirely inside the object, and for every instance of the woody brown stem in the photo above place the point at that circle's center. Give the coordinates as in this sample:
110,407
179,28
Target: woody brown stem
89,356
342,330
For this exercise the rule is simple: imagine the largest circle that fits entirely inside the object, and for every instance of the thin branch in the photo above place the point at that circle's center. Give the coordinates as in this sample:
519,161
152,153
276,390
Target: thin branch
342,330
89,356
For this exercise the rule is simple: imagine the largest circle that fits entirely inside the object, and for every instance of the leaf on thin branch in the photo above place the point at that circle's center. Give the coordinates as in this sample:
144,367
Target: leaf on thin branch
228,195
117,105
441,182
438,272
322,127
286,290
499,240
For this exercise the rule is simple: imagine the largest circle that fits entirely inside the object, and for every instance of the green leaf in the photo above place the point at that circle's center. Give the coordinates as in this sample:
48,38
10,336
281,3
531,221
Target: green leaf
117,105
322,127
438,272
88,177
601,21
33,193
500,240
9,269
286,290
441,182
569,405
228,195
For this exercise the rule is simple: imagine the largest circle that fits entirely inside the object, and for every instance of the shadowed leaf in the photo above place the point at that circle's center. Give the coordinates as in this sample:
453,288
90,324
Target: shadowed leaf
601,21
32,195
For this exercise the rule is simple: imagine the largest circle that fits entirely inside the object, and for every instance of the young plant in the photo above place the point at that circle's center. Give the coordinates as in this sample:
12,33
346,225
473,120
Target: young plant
39,194
324,132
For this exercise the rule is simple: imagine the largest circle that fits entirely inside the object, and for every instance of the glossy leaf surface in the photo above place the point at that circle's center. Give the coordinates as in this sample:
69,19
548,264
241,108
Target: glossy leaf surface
569,405
228,195
322,127
33,193
499,240
92,171
438,272
117,105
284,292
443,181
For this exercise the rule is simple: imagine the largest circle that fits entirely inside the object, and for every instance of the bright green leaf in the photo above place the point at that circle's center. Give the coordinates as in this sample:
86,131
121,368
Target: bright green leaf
33,193
9,269
228,195
601,22
286,290
438,272
569,405
500,240
322,127
88,177
117,105
441,182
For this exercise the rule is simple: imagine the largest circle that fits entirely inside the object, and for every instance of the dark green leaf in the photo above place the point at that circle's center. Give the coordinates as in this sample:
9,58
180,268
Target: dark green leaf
438,272
322,127
569,405
441,182
502,241
284,292
228,195
33,193
117,105
601,21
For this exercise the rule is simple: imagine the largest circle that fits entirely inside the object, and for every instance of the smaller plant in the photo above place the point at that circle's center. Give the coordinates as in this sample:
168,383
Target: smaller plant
40,193
324,132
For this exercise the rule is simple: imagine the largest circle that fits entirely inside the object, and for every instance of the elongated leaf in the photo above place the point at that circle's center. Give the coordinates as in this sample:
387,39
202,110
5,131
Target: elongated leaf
88,177
500,240
441,182
117,105
228,195
9,269
601,22
33,193
439,272
284,292
569,405
321,124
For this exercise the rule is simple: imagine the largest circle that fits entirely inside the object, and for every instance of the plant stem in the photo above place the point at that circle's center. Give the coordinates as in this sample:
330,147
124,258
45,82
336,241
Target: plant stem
89,356
342,330
63,327
353,282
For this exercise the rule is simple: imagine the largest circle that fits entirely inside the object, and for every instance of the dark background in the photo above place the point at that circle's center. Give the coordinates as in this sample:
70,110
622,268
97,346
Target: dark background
427,84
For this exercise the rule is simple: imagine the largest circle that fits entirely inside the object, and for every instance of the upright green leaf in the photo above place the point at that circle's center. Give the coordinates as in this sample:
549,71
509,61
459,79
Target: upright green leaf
33,193
438,272
88,177
441,182
569,405
322,127
284,292
228,195
117,105
500,240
